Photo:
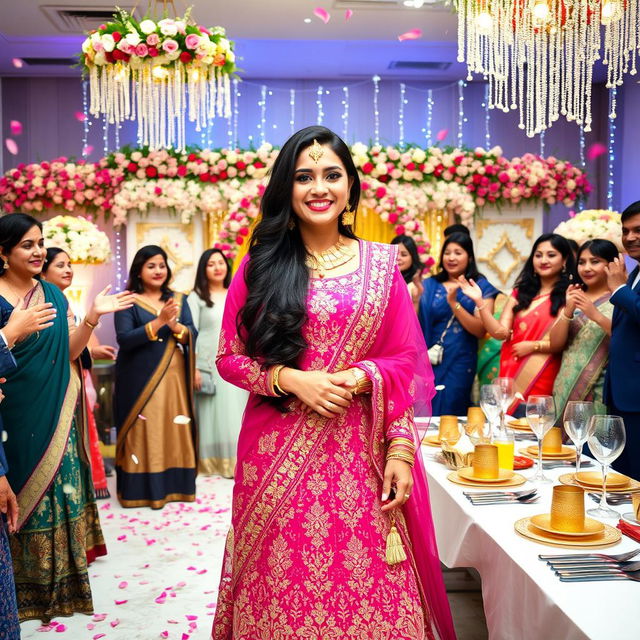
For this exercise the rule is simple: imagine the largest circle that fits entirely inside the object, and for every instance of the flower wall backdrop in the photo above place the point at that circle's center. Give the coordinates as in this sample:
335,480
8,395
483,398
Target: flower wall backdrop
401,184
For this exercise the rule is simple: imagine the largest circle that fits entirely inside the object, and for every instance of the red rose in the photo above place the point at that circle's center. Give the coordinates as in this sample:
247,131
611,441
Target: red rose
241,165
117,36
384,178
157,190
151,172
367,167
239,240
153,52
381,192
204,177
411,166
108,56
185,57
120,55
192,157
214,178
244,231
457,160
223,175
258,165
132,167
393,217
182,171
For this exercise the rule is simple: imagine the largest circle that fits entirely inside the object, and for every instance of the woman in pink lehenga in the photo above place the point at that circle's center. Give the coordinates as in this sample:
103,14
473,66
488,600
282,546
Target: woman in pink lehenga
319,327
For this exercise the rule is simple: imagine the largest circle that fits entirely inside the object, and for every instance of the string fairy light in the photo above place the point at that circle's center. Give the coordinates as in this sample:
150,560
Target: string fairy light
119,269
611,145
292,111
403,101
429,130
236,112
262,103
461,119
542,147
376,112
487,121
345,112
320,108
105,136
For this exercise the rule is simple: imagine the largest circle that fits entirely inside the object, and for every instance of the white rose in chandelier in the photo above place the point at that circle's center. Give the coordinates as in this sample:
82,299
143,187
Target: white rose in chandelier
100,59
87,46
147,27
108,42
168,27
133,39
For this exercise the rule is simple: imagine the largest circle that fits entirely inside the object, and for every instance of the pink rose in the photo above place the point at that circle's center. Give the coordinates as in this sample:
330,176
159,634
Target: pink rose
192,41
170,45
153,39
142,50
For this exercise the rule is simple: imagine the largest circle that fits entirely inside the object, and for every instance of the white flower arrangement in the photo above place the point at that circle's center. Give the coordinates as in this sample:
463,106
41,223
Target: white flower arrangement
78,237
590,224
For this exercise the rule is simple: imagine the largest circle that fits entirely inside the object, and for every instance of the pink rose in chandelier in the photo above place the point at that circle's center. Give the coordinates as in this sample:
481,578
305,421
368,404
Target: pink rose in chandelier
192,41
142,50
170,46
153,39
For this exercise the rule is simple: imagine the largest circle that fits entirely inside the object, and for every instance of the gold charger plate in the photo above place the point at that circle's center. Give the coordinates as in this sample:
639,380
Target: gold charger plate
594,479
432,441
567,478
466,473
515,481
520,425
608,537
532,452
591,527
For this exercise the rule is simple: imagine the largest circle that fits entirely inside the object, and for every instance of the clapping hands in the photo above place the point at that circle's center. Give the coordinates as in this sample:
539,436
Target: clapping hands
470,289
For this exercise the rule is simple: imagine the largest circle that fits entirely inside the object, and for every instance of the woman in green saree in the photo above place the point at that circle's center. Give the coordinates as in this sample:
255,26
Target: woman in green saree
47,447
583,329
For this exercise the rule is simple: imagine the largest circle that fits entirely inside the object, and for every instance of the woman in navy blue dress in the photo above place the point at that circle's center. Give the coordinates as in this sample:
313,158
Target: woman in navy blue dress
449,318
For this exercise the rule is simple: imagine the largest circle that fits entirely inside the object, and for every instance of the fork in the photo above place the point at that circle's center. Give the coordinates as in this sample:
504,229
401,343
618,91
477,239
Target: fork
524,500
597,566
597,577
498,492
560,464
620,557
613,498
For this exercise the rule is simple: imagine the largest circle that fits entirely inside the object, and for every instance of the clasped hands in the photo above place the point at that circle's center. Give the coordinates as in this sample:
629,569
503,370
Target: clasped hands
576,298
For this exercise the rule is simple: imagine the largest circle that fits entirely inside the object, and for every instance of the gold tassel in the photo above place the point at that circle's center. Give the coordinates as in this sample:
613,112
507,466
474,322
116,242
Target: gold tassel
395,551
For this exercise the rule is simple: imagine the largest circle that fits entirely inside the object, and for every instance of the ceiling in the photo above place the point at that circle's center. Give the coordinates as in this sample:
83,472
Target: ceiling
272,38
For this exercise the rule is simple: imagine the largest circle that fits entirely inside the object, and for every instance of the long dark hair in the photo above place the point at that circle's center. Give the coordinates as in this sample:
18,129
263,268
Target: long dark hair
416,265
600,248
13,226
528,282
201,284
276,276
52,252
134,284
464,240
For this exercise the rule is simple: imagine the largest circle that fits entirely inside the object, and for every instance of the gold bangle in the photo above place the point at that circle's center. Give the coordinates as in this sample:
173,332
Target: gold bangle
363,383
179,336
275,380
150,332
481,307
564,316
457,306
90,324
537,346
410,460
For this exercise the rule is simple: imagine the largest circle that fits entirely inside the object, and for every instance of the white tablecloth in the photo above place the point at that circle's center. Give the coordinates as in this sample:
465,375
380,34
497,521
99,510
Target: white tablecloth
523,599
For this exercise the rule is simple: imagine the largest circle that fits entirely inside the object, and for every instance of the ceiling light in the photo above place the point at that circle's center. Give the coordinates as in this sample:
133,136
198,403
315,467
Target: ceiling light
307,20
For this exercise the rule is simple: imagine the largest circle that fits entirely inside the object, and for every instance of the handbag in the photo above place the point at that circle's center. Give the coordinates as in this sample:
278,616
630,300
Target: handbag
208,386
436,352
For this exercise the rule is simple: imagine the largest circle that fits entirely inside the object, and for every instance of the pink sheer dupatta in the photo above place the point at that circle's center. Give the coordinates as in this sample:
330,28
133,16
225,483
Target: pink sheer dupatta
403,385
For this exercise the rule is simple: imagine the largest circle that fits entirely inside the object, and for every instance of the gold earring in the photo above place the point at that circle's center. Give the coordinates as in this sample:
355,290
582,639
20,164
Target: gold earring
348,216
292,224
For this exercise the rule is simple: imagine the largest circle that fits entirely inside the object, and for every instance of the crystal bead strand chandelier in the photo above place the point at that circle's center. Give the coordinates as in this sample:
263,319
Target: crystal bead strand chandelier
538,55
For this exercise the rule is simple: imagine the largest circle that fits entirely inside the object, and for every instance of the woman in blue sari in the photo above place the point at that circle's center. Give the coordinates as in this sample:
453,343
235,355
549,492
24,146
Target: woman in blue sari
153,400
449,318
58,530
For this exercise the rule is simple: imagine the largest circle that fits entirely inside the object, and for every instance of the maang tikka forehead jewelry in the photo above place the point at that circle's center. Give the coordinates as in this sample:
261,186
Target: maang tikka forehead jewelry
316,151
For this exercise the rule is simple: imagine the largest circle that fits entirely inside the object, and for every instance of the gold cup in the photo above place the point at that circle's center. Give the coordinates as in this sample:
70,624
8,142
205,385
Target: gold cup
449,430
567,509
475,415
485,461
552,442
635,502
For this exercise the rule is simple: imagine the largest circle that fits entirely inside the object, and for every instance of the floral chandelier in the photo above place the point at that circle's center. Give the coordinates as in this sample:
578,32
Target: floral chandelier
538,55
158,73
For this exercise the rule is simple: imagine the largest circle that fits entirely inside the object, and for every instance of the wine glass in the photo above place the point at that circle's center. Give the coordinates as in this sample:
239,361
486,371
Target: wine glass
577,422
606,441
541,414
491,402
508,396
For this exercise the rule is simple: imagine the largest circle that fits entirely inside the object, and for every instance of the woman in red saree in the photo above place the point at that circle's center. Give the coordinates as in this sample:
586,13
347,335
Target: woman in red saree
529,315
331,532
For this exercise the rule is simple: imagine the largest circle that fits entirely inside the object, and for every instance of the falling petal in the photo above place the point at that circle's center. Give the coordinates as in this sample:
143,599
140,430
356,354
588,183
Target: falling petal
595,150
123,585
121,601
347,14
180,419
321,13
5,436
99,635
91,626
11,145
115,623
87,150
61,628
135,458
191,617
99,617
412,34
201,572
442,134
45,628
79,116
16,127
69,489
164,634
18,63
141,416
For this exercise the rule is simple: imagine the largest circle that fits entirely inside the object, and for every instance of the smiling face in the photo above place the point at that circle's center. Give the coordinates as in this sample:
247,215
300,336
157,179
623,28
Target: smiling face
320,189
591,270
216,268
154,273
27,257
631,236
455,260
59,271
404,258
547,260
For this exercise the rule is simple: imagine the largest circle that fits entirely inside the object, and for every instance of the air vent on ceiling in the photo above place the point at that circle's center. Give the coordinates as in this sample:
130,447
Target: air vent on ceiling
419,65
78,19
383,4
50,62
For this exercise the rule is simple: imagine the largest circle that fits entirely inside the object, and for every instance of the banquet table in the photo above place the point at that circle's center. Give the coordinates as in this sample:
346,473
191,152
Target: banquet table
522,597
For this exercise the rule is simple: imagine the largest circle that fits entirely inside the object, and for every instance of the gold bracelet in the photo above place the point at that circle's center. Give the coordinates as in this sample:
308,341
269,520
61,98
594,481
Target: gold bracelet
456,306
410,460
90,324
150,333
275,380
564,316
481,307
363,383
537,346
179,336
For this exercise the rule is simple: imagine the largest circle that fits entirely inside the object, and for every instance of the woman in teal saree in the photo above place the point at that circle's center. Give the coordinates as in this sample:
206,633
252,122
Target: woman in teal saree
59,531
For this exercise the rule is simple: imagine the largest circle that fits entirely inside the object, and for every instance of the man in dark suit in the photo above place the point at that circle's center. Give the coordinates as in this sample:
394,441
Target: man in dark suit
622,386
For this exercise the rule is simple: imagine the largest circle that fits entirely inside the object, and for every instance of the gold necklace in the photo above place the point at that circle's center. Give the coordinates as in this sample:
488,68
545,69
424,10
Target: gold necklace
332,258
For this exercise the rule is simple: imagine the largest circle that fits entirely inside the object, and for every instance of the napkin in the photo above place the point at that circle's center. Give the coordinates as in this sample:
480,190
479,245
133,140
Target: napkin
629,530
463,446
